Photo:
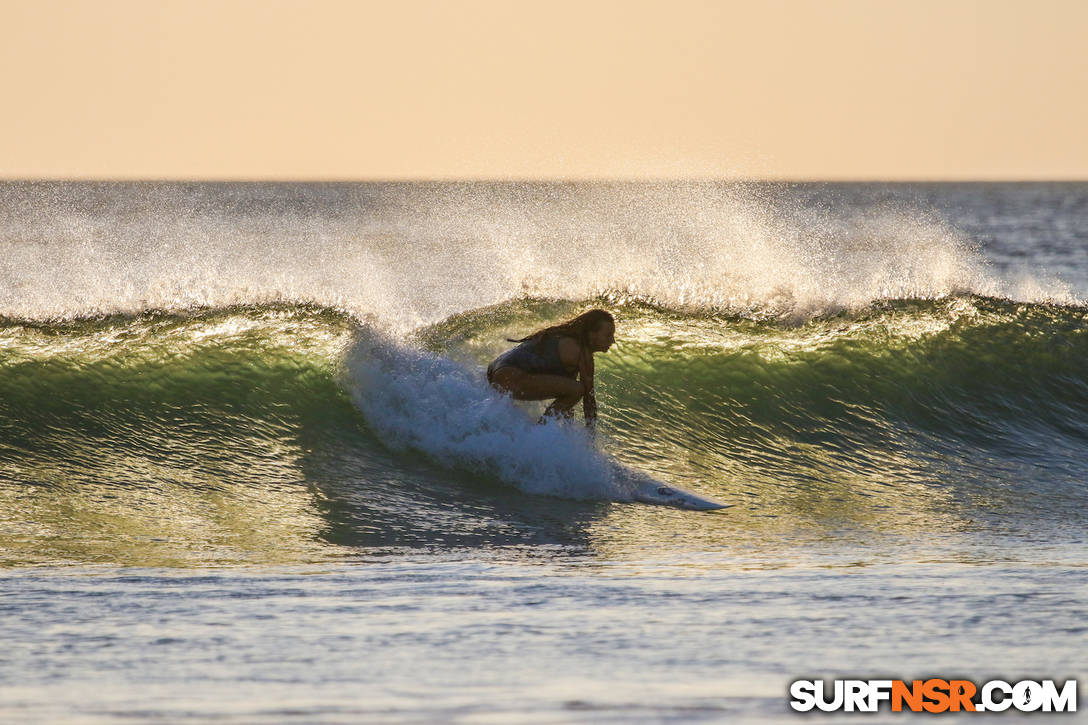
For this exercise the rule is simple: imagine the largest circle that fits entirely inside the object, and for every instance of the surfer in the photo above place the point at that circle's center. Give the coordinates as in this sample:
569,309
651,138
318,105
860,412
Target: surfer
548,364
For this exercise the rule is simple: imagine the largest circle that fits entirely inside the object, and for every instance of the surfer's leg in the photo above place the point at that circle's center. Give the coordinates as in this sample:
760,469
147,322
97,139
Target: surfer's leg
529,386
560,408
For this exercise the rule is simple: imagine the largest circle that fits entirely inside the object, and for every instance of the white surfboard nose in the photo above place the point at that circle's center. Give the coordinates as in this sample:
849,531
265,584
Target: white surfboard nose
652,492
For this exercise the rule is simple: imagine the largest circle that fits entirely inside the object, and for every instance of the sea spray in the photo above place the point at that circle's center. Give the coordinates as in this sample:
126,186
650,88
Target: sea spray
414,254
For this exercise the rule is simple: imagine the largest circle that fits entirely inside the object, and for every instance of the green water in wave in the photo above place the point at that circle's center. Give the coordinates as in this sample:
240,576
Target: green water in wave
226,435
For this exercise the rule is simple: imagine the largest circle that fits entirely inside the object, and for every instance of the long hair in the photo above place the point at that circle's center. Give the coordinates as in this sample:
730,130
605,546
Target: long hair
578,327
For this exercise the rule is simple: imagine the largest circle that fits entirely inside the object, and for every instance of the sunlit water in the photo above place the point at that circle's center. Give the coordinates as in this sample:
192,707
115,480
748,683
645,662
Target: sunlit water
250,471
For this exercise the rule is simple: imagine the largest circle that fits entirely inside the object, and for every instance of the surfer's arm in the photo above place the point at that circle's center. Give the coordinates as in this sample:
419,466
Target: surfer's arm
571,354
589,398
589,407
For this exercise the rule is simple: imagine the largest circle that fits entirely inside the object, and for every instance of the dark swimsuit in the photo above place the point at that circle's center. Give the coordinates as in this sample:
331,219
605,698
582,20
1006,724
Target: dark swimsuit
532,356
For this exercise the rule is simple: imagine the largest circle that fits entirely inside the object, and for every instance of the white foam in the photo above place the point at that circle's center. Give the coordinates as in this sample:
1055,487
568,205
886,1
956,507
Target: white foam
417,401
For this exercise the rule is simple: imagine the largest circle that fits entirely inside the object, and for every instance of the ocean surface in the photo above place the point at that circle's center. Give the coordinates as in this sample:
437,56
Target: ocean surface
250,470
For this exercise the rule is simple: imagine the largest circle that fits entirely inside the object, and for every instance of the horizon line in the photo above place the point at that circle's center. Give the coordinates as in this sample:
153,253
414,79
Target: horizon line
534,179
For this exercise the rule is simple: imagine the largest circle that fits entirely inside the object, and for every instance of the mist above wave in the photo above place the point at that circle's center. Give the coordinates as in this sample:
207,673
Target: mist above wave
407,255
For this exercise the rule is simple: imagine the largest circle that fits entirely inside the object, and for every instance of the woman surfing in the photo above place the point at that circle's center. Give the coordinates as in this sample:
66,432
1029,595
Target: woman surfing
556,362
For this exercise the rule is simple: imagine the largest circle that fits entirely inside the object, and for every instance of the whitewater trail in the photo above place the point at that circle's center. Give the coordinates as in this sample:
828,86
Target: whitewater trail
419,401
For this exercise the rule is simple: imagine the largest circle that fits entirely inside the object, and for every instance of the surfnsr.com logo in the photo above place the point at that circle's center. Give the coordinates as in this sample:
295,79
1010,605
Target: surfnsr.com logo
933,695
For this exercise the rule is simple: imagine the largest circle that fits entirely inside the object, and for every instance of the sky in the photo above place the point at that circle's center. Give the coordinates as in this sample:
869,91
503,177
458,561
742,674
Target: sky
507,89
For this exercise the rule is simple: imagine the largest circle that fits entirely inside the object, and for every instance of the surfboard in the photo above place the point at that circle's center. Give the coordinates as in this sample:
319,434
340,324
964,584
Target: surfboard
658,494
644,488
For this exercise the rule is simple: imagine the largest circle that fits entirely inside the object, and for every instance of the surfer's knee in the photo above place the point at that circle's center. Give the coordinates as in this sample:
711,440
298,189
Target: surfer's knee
505,379
576,391
571,392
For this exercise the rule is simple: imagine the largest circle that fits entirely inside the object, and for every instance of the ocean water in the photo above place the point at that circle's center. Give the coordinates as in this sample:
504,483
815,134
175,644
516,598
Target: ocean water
250,470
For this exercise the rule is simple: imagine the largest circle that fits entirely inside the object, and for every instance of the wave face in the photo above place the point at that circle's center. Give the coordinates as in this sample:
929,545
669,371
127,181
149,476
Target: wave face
938,415
954,393
223,373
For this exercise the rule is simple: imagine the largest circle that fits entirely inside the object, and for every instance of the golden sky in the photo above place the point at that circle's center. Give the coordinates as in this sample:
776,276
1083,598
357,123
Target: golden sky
332,89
